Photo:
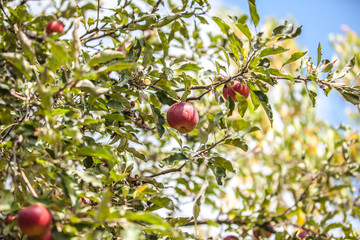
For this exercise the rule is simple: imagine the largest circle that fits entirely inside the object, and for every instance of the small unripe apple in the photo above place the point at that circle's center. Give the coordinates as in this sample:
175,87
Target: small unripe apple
54,26
46,236
34,220
236,87
183,116
303,234
230,238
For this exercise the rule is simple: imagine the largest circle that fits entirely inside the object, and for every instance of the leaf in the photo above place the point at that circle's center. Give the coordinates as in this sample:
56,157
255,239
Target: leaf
350,97
264,100
139,190
240,125
164,98
237,142
105,204
245,30
274,49
294,57
164,41
253,12
147,217
95,151
327,65
332,226
319,54
251,129
27,46
223,163
162,202
175,157
68,186
105,56
312,96
166,20
160,121
286,31
117,66
19,62
88,86
190,66
242,104
116,117
276,72
223,26
301,217
203,135
115,105
219,173
196,208
350,64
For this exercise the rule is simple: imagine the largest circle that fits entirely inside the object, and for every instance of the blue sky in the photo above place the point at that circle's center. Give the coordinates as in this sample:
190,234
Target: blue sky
319,18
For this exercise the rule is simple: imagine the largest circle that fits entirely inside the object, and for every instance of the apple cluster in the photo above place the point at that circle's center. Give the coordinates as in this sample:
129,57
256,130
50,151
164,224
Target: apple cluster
184,117
35,222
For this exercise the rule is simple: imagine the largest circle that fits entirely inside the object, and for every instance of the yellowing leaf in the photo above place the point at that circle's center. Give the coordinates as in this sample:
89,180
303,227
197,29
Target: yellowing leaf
301,218
139,190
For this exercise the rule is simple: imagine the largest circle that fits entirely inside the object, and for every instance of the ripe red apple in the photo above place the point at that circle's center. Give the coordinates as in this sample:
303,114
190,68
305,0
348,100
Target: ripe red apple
55,26
183,117
303,234
46,236
34,220
236,87
261,232
230,238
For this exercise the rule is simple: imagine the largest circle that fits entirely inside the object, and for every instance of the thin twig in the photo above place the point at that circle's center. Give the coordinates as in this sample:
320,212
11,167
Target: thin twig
169,171
227,221
27,182
98,13
156,6
212,146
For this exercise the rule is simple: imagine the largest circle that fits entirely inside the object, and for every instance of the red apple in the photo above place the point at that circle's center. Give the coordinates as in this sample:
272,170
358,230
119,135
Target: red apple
34,220
303,234
46,236
183,117
236,87
126,45
261,232
84,201
9,219
96,67
230,238
55,26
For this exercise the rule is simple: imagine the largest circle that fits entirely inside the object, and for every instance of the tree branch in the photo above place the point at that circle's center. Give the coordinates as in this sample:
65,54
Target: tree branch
227,221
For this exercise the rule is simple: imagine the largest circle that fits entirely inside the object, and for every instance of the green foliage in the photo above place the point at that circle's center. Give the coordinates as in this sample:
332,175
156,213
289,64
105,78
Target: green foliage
83,116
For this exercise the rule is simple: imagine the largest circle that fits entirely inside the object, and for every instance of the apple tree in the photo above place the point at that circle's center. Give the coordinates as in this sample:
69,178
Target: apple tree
86,131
